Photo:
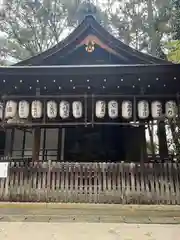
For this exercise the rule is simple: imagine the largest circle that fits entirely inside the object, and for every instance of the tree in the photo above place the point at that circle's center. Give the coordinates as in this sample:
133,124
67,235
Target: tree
142,24
34,26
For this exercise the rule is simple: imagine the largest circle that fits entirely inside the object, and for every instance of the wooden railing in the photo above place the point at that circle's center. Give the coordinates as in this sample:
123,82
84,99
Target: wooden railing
126,183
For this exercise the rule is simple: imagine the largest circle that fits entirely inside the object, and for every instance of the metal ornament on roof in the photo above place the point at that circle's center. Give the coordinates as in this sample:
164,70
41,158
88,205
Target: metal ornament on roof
156,109
143,109
127,109
10,109
100,109
23,109
52,109
90,46
170,109
77,109
64,109
36,109
1,110
113,109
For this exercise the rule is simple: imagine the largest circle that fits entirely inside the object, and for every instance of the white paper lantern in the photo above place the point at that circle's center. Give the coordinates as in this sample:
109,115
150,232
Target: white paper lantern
52,109
113,109
36,109
170,109
64,109
23,109
156,109
11,109
127,109
77,108
100,109
1,110
143,109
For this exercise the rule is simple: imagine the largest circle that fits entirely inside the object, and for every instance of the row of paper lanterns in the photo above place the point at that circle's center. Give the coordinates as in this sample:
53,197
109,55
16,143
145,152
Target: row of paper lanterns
144,109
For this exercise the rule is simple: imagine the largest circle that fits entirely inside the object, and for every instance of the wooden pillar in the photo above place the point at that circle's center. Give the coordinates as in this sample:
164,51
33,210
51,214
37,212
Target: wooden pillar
9,142
36,137
142,142
163,149
36,143
62,143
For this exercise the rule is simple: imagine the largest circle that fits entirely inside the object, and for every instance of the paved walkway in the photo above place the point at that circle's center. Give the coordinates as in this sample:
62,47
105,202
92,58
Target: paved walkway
87,231
21,221
91,213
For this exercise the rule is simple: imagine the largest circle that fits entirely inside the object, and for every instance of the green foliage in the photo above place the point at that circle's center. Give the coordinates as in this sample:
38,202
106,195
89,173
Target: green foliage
173,51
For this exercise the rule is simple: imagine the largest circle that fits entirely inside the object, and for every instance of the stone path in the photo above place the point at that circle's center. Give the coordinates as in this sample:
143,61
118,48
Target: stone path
87,231
92,213
21,221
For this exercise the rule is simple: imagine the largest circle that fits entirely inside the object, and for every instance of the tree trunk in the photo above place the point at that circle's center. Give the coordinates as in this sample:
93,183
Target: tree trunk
152,30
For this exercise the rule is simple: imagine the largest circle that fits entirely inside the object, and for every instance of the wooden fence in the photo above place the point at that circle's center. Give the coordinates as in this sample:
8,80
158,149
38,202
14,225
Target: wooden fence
126,183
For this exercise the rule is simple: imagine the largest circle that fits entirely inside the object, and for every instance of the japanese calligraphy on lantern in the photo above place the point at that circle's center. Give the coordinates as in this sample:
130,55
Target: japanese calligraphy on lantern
23,109
36,109
11,109
170,109
113,109
143,109
51,109
127,109
77,109
64,109
156,109
100,109
1,110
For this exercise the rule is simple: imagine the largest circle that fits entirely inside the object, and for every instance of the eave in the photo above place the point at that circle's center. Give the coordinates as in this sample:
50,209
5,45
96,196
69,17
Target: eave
118,69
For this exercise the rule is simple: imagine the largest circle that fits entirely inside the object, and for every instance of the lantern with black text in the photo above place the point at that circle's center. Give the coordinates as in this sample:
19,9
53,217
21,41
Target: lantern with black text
113,109
11,109
23,109
143,109
100,109
127,109
170,109
51,109
77,109
36,109
64,109
156,109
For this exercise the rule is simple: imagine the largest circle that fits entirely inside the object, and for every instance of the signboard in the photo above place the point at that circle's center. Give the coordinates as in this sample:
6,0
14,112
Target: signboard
3,169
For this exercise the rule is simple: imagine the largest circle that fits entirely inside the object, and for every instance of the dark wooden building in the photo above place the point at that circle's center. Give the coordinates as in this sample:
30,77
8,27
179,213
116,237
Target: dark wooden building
87,99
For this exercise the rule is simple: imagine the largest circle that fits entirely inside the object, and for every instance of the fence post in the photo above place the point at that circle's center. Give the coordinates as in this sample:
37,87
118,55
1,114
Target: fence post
48,181
6,191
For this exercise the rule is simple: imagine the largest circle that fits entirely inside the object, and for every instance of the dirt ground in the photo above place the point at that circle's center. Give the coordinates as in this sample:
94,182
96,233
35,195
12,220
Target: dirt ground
87,231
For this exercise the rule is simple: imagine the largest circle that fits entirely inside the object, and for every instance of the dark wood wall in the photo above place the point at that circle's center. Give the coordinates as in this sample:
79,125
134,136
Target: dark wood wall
102,143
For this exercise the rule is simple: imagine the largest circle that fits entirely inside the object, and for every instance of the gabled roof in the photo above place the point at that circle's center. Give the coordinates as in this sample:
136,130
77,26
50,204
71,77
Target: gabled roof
90,30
